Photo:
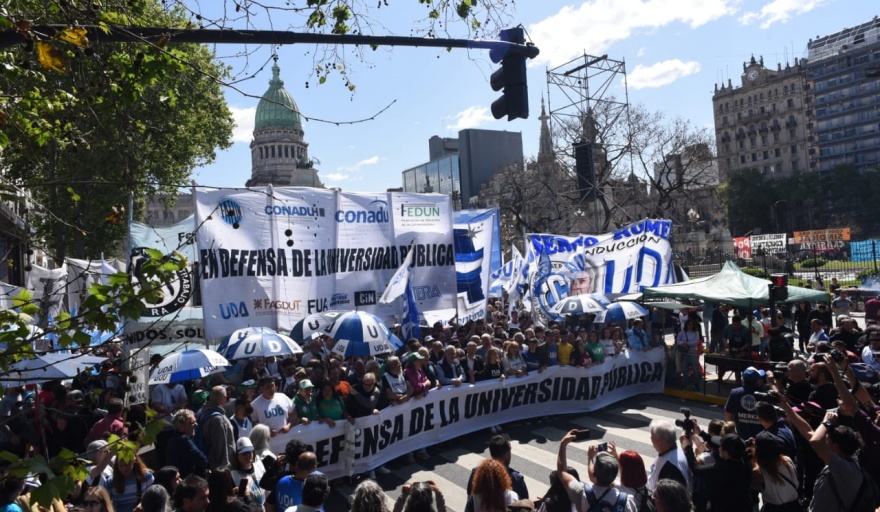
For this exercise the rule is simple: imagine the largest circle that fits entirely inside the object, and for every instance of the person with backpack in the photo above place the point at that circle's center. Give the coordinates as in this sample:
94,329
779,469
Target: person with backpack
602,496
214,434
181,451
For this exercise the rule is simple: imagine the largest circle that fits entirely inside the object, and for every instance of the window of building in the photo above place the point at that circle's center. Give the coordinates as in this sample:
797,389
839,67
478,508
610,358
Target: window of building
763,139
785,89
754,157
752,141
286,151
775,136
791,134
738,116
777,152
742,159
741,145
766,155
794,166
793,150
261,152
790,102
273,151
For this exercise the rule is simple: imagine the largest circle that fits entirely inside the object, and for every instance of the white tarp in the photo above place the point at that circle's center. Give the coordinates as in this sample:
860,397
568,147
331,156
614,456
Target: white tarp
451,412
269,257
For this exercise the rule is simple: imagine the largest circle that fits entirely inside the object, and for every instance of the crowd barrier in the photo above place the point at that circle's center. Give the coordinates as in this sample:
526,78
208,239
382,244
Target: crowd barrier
450,412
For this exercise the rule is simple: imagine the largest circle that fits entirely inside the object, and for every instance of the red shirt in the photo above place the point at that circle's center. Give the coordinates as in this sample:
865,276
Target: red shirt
107,425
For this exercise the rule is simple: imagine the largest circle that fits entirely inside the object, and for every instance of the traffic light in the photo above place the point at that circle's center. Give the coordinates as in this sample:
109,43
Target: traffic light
779,287
514,102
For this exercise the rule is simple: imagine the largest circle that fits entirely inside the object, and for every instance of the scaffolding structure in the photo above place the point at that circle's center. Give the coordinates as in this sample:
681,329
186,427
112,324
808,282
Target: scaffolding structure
584,109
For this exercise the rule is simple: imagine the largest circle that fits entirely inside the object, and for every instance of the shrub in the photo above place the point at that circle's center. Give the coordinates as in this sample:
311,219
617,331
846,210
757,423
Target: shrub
864,274
813,263
757,272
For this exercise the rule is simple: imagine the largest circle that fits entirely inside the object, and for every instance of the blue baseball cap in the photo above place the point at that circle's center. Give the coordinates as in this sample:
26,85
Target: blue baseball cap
752,374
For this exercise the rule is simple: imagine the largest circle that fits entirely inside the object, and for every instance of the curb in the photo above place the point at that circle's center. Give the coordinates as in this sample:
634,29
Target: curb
695,396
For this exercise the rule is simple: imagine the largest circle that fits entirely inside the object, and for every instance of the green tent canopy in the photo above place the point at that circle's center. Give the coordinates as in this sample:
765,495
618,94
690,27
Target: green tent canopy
732,286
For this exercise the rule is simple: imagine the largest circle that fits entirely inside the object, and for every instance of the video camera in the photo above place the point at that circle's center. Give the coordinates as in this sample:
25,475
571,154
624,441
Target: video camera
686,424
771,397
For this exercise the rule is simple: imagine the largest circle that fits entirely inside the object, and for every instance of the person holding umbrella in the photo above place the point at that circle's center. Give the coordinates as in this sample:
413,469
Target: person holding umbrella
273,409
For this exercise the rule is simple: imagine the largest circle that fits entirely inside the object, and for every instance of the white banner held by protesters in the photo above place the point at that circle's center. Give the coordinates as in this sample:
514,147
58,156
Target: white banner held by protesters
270,257
451,412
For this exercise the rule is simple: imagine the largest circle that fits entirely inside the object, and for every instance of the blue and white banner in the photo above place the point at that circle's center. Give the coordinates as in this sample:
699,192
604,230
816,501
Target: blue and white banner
625,261
477,255
270,257
506,278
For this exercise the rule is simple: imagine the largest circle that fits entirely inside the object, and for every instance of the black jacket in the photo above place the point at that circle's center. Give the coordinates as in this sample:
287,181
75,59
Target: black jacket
183,454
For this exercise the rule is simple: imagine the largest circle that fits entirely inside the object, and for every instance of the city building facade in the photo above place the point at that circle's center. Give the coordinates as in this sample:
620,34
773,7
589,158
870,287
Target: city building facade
762,123
460,166
843,108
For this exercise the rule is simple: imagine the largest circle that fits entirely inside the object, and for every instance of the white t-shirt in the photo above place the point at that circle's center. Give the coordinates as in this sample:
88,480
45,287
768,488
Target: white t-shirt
272,413
168,397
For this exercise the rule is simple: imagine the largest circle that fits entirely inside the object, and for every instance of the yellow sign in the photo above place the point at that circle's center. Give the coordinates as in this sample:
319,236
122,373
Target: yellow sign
821,235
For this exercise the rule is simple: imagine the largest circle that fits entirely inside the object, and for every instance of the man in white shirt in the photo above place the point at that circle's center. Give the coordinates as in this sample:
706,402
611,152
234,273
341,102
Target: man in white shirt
167,398
871,353
272,409
671,462
604,468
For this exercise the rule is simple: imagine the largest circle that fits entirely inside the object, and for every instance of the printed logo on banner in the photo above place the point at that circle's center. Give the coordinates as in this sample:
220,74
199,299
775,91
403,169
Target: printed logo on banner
339,299
173,296
419,214
230,212
376,213
266,306
295,209
365,298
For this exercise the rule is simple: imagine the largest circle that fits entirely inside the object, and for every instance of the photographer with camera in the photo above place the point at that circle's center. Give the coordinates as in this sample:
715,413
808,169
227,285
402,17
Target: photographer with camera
729,480
792,381
705,456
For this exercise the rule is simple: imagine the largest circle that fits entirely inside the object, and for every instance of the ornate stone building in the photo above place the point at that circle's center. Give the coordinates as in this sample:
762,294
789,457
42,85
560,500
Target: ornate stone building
762,124
279,154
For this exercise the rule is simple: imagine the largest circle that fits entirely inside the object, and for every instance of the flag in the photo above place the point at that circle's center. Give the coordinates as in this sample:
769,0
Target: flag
505,277
400,280
399,285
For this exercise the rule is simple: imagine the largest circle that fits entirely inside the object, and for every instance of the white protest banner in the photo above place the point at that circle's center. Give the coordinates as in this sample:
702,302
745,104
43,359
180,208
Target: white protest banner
178,293
139,364
475,238
451,412
48,289
771,243
82,274
270,257
625,261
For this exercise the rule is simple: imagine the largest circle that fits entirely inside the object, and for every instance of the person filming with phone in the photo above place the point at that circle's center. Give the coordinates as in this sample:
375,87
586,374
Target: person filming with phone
604,467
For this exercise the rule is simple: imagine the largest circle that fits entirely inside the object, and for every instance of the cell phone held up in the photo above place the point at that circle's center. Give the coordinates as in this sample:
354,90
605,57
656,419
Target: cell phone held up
602,448
582,434
242,487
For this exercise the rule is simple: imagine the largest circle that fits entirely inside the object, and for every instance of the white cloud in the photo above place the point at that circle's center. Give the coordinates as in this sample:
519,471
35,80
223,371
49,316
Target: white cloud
373,160
595,25
780,11
470,117
335,176
244,123
640,52
661,73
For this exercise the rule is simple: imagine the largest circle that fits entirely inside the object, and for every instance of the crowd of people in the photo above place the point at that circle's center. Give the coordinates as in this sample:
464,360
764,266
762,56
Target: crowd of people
797,416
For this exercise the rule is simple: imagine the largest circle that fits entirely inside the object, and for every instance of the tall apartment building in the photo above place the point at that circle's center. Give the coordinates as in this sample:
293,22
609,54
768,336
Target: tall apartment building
761,124
843,99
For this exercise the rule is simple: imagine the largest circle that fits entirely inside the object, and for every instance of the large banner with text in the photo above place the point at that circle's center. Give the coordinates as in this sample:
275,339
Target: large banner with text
269,257
477,255
624,261
451,412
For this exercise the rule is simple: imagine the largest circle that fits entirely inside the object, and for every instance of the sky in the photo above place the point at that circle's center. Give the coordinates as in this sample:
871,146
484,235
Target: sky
675,52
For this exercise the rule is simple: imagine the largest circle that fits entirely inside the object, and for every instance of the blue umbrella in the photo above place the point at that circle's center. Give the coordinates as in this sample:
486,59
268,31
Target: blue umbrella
316,323
361,334
620,312
188,365
253,342
577,305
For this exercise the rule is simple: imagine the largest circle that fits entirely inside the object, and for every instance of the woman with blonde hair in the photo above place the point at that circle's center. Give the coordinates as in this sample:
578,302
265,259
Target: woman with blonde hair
491,489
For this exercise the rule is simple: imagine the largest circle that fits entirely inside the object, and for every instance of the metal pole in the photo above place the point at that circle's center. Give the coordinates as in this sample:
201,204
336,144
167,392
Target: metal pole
874,250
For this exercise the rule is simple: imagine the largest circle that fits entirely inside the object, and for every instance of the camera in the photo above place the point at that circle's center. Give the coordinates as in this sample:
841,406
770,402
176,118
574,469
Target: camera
686,424
837,355
771,397
779,370
602,447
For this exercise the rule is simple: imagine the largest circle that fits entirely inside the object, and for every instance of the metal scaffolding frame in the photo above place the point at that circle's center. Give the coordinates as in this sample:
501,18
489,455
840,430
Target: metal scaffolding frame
581,87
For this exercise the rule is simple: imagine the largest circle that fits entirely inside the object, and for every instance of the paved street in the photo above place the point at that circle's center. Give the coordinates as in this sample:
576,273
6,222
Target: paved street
534,448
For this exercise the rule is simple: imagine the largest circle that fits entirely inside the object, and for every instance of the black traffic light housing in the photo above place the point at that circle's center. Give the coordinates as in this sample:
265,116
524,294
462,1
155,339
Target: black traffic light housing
779,287
514,102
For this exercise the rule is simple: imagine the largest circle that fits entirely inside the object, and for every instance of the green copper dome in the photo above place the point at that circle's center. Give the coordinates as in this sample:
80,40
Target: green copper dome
277,108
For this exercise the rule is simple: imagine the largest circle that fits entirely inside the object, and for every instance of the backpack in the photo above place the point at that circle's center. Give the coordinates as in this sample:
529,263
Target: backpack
867,497
864,373
648,503
199,435
597,505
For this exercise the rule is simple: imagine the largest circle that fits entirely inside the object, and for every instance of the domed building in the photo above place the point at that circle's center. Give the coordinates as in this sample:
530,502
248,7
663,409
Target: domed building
279,155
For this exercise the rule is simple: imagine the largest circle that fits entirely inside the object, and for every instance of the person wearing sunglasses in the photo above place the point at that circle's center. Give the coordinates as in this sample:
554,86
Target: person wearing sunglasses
97,499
